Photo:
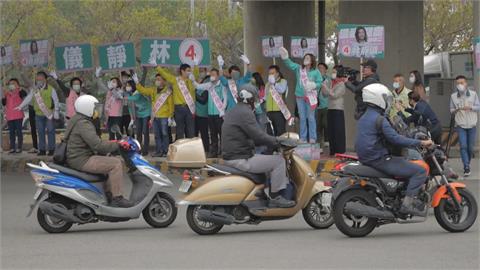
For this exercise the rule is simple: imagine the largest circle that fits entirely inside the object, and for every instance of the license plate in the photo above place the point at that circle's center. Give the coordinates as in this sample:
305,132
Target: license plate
326,199
39,191
185,186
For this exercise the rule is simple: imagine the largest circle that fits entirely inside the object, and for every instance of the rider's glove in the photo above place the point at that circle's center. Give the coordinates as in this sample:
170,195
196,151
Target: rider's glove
124,145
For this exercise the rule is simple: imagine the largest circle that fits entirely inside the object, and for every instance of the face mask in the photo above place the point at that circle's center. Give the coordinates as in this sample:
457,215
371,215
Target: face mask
158,83
76,87
306,61
461,87
128,88
188,73
396,85
40,84
213,78
125,79
271,78
411,79
112,85
334,76
235,75
202,74
253,82
11,87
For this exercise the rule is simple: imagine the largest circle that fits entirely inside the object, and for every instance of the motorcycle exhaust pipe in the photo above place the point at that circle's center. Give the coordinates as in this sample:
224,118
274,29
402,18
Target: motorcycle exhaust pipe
358,209
215,217
58,212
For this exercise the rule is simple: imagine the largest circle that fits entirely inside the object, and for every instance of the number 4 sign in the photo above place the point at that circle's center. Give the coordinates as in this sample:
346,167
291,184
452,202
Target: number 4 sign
190,49
174,52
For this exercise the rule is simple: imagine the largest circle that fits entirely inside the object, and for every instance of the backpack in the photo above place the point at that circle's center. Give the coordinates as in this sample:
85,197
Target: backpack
60,154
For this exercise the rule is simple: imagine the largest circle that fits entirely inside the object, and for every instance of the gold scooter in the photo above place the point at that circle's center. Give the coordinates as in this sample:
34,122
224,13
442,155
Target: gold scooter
230,196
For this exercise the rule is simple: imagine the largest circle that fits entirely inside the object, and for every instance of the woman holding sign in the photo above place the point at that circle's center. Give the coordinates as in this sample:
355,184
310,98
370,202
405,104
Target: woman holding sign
309,81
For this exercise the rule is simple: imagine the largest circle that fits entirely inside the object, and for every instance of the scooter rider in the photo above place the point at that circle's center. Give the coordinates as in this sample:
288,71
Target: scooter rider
240,134
85,149
372,151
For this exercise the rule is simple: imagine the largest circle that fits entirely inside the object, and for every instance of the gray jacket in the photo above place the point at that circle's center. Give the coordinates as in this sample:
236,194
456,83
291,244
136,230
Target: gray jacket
84,142
240,133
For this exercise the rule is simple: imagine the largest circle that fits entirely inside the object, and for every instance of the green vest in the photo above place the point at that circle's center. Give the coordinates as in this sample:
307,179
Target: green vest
271,104
47,99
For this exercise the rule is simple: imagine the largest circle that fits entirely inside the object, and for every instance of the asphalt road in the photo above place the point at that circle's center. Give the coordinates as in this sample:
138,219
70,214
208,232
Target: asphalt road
289,244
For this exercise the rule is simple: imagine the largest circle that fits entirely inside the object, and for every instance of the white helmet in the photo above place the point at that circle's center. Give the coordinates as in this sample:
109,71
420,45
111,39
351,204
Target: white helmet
85,105
377,94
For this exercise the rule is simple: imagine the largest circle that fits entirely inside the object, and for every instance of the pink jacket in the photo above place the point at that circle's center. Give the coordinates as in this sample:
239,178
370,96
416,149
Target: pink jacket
70,103
13,100
114,103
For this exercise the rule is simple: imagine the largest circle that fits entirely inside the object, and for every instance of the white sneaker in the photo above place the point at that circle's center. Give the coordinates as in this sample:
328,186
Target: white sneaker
33,151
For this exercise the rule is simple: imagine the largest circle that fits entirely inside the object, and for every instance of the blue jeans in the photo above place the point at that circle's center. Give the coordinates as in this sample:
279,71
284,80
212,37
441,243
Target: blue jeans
160,130
402,168
45,125
306,114
466,138
15,131
143,132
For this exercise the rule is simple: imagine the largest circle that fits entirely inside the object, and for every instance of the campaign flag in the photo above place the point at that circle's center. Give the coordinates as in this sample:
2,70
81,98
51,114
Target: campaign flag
271,45
302,45
367,41
6,55
73,57
175,51
476,45
116,56
34,53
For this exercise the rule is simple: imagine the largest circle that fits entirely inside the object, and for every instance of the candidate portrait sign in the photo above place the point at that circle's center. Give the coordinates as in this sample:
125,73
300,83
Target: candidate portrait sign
361,41
116,56
6,55
476,46
271,46
302,45
34,53
73,57
175,51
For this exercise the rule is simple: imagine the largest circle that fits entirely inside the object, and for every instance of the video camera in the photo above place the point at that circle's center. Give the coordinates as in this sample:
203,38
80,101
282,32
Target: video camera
348,72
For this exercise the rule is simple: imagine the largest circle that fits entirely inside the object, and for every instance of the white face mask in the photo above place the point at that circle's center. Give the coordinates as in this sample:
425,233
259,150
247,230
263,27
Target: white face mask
128,88
112,85
76,87
461,87
334,76
306,61
411,79
11,87
158,83
213,78
396,85
271,79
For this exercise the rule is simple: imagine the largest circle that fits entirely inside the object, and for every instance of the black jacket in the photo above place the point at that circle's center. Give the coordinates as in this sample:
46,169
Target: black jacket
240,133
356,87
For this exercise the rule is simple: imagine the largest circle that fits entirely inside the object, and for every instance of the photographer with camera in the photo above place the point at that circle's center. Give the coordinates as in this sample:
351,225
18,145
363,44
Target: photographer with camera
369,69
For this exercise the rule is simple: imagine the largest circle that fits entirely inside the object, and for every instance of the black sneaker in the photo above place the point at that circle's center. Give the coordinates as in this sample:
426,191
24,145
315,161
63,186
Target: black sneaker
41,153
280,202
411,206
120,202
51,152
12,151
466,172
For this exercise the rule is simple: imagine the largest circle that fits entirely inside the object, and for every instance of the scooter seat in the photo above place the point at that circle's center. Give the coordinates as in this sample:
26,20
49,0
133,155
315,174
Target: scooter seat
363,170
257,178
89,177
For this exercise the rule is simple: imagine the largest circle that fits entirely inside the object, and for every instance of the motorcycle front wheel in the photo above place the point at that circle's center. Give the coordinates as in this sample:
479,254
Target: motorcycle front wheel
200,226
161,211
454,221
316,215
53,224
348,224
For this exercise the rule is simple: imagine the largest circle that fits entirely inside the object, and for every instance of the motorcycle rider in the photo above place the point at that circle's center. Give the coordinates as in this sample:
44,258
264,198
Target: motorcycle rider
240,134
86,150
374,131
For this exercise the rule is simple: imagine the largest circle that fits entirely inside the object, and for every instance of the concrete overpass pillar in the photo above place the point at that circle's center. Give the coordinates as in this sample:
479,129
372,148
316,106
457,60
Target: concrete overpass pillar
285,18
476,31
403,21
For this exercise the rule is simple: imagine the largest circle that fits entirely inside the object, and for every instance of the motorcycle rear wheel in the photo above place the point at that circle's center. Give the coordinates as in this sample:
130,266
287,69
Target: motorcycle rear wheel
52,224
199,226
356,229
451,221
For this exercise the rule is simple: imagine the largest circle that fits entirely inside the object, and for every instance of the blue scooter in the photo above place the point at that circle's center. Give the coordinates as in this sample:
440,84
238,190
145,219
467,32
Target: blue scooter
65,196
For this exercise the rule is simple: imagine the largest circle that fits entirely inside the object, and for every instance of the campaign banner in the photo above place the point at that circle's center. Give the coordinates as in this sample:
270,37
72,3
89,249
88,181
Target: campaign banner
367,41
116,56
271,45
34,53
174,51
73,57
300,46
476,46
6,55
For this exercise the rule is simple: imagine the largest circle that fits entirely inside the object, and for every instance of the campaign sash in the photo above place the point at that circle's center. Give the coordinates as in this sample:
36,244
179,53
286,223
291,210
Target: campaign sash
216,99
186,95
233,89
160,101
310,95
42,106
280,103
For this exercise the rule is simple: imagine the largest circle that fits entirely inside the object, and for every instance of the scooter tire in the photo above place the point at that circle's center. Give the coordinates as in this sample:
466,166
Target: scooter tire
193,222
311,220
149,211
46,222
